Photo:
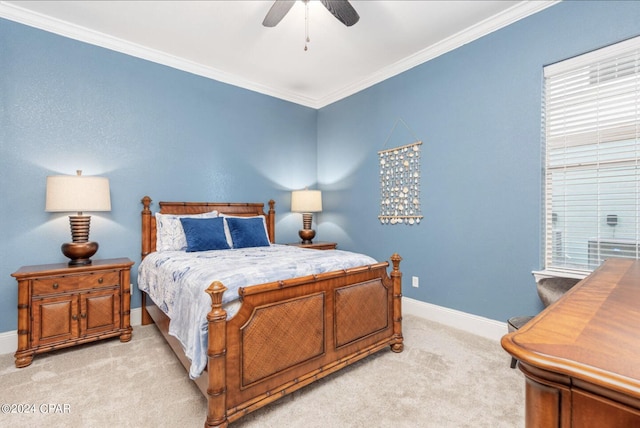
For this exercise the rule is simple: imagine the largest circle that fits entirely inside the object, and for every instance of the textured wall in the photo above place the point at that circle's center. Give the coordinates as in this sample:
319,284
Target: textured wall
477,110
66,105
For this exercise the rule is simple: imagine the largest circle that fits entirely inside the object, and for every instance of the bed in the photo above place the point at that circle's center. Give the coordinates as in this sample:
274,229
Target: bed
283,334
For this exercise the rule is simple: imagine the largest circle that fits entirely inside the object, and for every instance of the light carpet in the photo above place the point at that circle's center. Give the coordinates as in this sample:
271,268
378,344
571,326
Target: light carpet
444,378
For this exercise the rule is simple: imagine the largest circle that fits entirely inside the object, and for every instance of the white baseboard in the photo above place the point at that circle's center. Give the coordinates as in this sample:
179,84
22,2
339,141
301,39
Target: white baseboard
8,342
477,325
9,339
136,317
480,326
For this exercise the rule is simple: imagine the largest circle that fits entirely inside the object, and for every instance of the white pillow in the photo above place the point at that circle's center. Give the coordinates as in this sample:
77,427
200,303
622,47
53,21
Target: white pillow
169,232
227,232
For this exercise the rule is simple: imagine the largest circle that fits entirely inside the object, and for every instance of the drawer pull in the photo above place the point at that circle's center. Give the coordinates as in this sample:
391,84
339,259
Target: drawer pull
100,280
74,317
83,316
55,285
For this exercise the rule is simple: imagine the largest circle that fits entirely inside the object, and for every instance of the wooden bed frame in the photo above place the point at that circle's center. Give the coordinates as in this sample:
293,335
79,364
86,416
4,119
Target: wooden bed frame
286,334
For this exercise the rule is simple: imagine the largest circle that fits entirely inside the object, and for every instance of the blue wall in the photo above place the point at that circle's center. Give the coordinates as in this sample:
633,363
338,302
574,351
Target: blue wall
66,105
477,110
150,129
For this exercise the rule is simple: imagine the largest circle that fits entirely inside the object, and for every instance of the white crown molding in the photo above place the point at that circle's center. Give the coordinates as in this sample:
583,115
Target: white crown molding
63,28
496,22
521,10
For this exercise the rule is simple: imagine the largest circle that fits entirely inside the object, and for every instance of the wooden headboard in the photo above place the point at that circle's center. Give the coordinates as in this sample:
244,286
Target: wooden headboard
230,208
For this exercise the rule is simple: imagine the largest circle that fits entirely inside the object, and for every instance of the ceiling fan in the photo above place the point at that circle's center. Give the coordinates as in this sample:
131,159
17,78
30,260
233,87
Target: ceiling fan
341,9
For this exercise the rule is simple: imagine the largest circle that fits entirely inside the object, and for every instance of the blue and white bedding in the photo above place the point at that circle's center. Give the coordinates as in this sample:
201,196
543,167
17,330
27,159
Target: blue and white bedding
176,280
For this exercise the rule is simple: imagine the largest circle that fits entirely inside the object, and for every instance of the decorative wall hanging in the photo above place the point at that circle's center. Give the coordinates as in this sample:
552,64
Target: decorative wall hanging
400,184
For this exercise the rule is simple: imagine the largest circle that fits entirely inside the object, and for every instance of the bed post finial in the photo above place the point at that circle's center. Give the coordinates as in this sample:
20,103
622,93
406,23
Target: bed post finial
396,259
146,226
217,358
146,202
396,277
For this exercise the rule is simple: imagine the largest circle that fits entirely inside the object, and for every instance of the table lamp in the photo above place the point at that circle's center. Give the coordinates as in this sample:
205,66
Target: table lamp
78,193
306,202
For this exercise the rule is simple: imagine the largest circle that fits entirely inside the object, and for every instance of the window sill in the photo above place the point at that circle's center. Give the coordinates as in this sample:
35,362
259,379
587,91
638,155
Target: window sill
550,273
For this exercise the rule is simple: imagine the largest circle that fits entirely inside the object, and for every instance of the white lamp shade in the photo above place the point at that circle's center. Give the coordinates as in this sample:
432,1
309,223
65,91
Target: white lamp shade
306,201
77,193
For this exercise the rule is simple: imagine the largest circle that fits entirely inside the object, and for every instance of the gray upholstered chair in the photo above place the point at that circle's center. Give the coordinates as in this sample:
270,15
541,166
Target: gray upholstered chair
549,290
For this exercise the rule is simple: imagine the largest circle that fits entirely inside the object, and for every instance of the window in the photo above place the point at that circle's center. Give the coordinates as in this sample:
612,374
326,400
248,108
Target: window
591,125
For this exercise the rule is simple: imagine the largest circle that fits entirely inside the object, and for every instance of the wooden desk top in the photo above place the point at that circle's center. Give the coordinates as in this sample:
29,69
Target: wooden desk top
592,333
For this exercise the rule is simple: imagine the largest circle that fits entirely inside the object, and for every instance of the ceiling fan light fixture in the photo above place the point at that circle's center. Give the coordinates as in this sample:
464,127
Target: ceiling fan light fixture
341,9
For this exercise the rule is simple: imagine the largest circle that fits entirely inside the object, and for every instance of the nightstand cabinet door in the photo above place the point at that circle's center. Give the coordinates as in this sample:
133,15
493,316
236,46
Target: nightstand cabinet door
99,312
54,320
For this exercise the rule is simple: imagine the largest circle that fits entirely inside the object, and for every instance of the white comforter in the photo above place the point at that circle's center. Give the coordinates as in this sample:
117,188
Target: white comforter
176,280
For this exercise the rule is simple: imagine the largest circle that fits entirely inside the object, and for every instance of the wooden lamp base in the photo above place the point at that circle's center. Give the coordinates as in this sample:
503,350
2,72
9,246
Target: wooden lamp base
81,249
306,235
79,252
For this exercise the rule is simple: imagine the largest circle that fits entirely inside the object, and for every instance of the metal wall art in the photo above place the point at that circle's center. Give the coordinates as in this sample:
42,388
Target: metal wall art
400,185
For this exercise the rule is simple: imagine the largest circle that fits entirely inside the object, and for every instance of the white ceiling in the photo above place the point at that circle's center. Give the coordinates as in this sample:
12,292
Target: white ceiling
225,40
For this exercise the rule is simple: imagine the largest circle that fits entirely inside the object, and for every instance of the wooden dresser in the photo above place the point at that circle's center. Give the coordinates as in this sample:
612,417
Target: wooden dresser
61,306
581,355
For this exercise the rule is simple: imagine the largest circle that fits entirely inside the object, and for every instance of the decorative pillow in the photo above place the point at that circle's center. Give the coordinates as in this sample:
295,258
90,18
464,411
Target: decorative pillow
204,234
169,233
247,231
226,225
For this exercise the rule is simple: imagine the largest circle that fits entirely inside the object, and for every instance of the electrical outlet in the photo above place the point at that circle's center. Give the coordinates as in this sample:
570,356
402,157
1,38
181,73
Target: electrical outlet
415,282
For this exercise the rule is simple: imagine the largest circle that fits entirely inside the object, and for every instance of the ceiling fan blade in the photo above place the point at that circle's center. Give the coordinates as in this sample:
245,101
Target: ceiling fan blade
278,10
342,10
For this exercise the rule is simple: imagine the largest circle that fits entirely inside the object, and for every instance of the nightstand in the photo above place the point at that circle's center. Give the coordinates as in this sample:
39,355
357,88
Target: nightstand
317,245
61,306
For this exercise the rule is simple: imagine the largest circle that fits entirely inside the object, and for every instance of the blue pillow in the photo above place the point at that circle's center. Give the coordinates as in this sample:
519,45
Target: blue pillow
204,234
247,232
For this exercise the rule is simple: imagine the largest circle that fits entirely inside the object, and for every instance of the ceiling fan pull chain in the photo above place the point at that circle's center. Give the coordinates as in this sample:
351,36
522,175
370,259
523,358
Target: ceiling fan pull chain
306,24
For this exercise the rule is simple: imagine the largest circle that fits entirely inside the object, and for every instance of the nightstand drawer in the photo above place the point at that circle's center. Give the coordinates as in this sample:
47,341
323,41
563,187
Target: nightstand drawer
60,284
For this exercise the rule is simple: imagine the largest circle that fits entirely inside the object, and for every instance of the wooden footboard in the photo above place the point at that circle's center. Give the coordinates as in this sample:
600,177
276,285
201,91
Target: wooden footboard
288,334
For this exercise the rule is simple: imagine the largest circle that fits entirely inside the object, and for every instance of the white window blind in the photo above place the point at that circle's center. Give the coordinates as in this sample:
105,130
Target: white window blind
591,123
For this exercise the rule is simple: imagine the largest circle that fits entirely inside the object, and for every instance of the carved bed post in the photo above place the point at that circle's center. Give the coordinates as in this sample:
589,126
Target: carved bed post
146,249
396,277
217,359
146,226
271,221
